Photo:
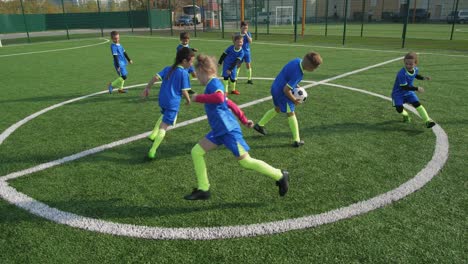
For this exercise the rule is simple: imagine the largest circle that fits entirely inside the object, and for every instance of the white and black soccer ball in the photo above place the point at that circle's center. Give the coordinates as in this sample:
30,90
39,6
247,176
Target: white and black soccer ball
301,94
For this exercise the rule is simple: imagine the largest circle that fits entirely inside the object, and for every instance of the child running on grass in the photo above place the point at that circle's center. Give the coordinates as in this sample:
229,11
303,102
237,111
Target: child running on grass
232,57
184,42
404,90
247,39
175,84
225,130
282,92
120,63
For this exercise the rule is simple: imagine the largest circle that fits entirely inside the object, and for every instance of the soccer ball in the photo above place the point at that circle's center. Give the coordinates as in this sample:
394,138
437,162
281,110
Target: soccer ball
301,94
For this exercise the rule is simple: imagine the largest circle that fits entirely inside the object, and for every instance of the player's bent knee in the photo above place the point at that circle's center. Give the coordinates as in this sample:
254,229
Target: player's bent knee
124,77
416,104
399,108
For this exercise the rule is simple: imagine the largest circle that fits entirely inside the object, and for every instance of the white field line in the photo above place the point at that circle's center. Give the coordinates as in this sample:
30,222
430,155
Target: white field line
438,160
85,153
311,46
53,50
48,42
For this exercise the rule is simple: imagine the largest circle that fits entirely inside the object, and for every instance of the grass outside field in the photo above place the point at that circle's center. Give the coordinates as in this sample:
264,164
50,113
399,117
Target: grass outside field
356,148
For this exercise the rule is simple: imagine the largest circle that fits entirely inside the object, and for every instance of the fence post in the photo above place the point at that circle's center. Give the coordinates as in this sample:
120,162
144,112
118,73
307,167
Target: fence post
304,14
326,18
453,24
130,13
25,22
256,19
268,17
149,16
203,15
195,19
170,17
362,18
222,18
65,18
405,24
100,18
295,20
345,21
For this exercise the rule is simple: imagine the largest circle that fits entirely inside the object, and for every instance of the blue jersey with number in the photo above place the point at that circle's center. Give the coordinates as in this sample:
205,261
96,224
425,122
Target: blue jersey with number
173,82
118,50
232,55
404,78
246,45
290,75
220,118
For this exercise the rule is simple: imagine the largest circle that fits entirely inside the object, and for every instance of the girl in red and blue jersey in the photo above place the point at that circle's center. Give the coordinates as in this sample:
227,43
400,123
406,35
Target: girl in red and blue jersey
225,130
175,84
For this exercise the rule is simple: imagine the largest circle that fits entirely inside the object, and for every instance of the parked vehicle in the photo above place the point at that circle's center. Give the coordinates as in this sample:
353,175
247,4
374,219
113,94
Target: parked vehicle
184,20
460,16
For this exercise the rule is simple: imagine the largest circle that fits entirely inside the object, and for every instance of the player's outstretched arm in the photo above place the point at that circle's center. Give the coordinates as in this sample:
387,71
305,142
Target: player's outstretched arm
186,97
148,86
239,113
288,92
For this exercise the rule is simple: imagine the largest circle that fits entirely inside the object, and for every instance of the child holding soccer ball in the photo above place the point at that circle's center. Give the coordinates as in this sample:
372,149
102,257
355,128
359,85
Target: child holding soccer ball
225,130
282,92
175,84
404,90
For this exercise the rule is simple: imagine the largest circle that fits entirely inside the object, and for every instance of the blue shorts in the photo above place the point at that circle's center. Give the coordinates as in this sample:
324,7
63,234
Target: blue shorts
408,97
247,57
233,140
233,74
285,105
169,116
123,70
191,69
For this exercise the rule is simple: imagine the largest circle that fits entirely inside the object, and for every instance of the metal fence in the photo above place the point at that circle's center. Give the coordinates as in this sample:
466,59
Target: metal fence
338,20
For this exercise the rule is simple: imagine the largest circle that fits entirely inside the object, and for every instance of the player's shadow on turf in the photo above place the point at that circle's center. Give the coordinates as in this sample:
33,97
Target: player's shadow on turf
113,208
53,99
353,127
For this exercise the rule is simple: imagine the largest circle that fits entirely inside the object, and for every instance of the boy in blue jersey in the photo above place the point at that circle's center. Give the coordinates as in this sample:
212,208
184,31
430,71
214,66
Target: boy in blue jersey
231,59
184,42
225,130
120,63
175,84
403,90
247,39
282,91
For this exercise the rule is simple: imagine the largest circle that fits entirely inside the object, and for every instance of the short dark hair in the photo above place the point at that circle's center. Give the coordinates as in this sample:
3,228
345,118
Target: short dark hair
114,33
184,35
236,37
244,23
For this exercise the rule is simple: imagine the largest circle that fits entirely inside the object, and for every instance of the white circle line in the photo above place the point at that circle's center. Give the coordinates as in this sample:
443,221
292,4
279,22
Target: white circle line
439,158
54,50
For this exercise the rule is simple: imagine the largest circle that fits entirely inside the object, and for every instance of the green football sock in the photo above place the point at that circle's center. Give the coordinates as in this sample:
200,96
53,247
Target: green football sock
198,158
233,85
423,113
294,127
237,74
267,117
262,167
121,84
226,85
157,141
153,134
117,83
250,73
404,113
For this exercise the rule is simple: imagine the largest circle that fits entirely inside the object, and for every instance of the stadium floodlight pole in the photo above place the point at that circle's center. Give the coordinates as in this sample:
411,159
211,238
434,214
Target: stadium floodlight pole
362,18
295,20
149,16
345,21
100,17
170,17
326,18
453,22
25,22
405,25
222,18
195,19
65,18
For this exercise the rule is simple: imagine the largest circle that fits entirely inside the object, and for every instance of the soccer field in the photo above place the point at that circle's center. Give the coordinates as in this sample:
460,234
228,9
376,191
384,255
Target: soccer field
366,187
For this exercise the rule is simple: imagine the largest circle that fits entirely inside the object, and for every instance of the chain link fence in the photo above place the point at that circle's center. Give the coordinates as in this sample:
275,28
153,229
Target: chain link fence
341,21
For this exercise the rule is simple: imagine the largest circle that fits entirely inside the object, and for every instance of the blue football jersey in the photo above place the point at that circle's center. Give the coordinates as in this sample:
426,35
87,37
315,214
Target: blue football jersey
232,55
173,82
180,46
118,50
404,78
220,118
246,45
290,75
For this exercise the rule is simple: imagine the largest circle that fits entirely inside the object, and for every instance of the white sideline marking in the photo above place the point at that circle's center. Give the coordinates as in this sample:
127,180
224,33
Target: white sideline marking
312,46
206,233
54,50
